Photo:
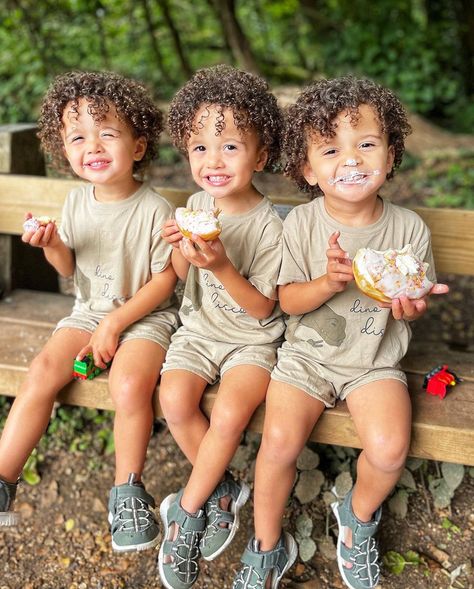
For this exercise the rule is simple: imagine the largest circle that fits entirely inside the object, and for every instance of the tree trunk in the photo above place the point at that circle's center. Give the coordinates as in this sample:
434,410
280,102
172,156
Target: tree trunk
465,16
185,66
153,42
238,42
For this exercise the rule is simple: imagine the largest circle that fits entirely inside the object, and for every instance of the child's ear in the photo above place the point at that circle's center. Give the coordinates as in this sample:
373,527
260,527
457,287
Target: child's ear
309,174
262,159
140,149
390,158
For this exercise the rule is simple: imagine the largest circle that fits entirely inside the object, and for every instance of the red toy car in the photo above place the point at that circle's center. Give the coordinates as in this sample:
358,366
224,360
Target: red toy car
439,379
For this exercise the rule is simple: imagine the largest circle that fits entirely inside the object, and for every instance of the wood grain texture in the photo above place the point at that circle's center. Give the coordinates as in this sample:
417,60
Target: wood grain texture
443,429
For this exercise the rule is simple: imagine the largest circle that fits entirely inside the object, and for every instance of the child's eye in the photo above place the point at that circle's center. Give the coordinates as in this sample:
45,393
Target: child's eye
76,138
230,147
331,151
367,144
108,134
199,148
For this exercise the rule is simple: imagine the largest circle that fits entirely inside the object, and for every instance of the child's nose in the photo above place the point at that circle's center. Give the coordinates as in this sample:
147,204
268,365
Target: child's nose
214,159
94,145
352,161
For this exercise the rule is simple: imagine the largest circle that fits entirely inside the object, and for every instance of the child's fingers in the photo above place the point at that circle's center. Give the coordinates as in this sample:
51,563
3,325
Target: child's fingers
83,352
439,289
333,243
338,254
340,266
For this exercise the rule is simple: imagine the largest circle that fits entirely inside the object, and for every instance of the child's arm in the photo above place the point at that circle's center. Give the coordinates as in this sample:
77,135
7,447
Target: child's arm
298,298
172,235
104,340
211,255
58,254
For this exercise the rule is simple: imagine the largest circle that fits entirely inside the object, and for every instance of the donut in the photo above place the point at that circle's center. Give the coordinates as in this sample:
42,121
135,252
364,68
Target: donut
199,222
34,223
389,274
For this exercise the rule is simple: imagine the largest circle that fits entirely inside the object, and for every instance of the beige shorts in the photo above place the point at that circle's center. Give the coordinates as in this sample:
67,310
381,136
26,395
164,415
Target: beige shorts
157,327
326,383
210,359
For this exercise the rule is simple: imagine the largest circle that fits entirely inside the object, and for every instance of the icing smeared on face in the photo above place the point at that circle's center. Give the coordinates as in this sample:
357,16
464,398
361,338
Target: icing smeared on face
354,177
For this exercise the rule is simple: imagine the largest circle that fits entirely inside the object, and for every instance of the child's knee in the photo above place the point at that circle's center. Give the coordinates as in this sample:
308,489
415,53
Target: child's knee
387,453
176,408
279,444
227,422
131,393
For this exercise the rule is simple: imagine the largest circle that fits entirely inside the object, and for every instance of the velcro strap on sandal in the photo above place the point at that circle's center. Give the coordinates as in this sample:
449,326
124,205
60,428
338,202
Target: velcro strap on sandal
128,491
263,560
189,523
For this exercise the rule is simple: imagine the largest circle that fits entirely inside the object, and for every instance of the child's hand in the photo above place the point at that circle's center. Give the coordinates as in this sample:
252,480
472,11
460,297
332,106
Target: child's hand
171,234
339,267
210,255
103,344
44,236
411,309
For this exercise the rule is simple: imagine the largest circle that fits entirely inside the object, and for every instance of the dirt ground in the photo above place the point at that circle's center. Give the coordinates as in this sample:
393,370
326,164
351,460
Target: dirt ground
64,542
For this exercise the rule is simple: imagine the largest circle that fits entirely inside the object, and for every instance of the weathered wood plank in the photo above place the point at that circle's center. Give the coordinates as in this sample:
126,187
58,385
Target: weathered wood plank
452,229
442,429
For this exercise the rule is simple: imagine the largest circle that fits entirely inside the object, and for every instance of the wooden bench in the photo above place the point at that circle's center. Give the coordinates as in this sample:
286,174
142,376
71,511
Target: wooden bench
442,429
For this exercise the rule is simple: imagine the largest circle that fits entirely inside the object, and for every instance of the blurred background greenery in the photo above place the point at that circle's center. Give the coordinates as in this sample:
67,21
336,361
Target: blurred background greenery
422,49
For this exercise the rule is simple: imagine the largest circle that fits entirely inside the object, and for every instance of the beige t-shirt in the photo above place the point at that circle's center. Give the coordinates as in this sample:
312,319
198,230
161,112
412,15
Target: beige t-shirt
350,332
117,245
252,242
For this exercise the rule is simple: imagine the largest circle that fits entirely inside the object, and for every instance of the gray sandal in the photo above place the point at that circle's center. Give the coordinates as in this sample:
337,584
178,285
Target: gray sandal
363,555
259,566
8,517
221,525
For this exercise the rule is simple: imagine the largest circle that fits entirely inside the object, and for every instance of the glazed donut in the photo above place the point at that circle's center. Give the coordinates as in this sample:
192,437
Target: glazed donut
34,223
203,223
390,274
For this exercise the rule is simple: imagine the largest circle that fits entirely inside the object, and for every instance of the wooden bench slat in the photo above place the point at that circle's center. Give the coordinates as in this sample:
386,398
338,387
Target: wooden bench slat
441,430
452,234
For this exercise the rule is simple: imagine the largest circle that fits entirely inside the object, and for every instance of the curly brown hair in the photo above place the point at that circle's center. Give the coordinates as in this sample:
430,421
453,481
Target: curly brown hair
132,101
225,87
316,109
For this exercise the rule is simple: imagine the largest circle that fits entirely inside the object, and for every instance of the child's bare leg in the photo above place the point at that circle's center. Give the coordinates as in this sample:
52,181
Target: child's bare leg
236,402
31,411
290,416
381,411
132,381
180,397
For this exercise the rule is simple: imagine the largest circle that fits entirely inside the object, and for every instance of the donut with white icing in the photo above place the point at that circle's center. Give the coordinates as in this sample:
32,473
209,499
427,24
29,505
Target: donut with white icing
199,222
389,274
34,223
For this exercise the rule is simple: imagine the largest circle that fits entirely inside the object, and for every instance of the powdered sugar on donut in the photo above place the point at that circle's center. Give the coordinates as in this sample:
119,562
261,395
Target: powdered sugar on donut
200,222
391,272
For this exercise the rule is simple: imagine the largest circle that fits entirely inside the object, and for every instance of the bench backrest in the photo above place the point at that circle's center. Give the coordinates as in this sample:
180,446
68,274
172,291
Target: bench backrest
452,229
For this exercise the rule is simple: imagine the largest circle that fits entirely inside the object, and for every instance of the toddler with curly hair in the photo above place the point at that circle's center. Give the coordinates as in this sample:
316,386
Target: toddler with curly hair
343,138
228,125
106,128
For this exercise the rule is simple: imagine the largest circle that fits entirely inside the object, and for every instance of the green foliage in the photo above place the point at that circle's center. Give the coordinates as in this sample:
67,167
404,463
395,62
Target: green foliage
396,562
447,182
409,45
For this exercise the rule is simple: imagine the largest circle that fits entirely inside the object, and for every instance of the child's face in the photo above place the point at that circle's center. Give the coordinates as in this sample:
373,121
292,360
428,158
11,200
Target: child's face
352,165
102,153
224,164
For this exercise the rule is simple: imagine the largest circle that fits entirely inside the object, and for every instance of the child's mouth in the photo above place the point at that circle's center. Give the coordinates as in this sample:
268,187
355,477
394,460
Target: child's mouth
96,164
353,177
217,180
